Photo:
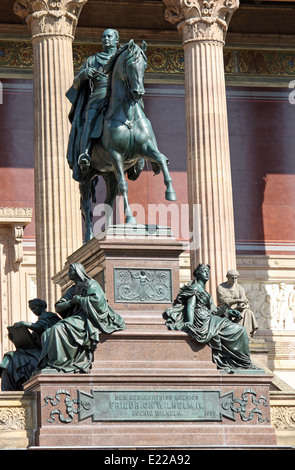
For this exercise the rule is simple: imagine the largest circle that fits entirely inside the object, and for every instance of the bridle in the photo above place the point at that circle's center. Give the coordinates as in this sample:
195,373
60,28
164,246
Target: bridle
126,81
125,70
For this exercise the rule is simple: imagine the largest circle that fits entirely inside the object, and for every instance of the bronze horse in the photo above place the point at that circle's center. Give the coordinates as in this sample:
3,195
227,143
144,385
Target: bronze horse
127,138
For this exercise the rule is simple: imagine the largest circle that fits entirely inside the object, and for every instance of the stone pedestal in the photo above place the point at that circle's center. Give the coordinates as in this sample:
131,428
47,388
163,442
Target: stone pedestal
137,267
152,389
149,386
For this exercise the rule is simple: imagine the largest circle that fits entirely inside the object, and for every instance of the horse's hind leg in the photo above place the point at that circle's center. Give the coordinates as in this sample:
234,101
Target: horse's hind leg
117,162
153,154
85,203
111,194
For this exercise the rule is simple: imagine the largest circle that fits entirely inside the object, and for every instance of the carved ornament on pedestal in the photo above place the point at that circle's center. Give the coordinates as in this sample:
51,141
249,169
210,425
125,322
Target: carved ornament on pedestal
201,20
50,17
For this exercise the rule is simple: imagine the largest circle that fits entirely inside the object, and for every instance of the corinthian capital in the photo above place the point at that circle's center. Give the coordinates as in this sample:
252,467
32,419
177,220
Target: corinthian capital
50,17
201,20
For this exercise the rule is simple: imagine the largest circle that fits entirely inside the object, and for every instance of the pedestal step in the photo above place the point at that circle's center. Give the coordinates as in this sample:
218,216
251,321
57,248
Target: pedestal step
155,391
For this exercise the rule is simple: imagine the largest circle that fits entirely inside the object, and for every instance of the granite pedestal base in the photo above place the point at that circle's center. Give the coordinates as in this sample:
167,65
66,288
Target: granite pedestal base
148,386
152,389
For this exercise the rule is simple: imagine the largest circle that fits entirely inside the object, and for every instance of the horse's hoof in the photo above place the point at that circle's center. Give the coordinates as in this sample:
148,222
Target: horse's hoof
170,195
130,220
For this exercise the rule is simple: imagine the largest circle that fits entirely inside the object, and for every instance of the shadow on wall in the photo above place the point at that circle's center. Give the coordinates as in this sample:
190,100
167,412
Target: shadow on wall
262,140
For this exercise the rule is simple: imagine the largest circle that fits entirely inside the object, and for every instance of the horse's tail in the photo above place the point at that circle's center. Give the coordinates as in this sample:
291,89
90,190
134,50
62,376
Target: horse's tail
93,189
134,172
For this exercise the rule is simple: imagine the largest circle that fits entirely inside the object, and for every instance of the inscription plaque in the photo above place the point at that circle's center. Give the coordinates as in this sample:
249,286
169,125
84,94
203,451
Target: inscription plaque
143,285
155,405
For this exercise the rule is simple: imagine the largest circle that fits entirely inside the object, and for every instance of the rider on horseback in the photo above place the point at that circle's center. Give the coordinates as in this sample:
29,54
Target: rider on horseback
87,96
124,135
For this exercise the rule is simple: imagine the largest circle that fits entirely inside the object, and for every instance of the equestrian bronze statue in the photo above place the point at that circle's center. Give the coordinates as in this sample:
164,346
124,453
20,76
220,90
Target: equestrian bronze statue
119,137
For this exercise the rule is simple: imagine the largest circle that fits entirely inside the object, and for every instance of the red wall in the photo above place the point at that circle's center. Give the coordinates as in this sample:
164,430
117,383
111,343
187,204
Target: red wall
262,142
165,108
16,147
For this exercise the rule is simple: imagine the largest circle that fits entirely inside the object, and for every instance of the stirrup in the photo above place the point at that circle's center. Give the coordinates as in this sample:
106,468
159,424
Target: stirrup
84,161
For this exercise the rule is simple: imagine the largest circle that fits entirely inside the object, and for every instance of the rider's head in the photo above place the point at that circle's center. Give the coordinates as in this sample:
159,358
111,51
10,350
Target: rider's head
110,39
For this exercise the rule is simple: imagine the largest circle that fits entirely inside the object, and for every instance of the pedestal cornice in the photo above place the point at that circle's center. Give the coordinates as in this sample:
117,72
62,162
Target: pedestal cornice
201,20
49,17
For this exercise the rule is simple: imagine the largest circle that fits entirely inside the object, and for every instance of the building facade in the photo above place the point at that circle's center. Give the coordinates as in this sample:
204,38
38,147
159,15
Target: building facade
259,70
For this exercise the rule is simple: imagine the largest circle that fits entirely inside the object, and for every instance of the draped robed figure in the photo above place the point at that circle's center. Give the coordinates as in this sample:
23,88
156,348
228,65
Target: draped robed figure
17,366
70,344
195,313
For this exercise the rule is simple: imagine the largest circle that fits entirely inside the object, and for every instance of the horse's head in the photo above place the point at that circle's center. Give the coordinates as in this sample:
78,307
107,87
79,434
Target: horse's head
135,65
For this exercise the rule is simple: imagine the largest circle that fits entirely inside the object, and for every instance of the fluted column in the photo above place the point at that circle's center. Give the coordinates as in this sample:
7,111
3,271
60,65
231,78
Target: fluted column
203,26
57,212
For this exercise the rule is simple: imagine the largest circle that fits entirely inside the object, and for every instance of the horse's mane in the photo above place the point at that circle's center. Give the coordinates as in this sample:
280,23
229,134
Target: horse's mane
133,55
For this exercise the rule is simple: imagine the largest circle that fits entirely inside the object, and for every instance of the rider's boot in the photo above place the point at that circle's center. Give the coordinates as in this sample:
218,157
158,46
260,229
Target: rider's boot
84,161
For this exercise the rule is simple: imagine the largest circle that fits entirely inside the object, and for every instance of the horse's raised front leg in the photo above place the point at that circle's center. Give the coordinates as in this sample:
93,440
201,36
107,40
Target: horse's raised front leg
153,154
117,161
